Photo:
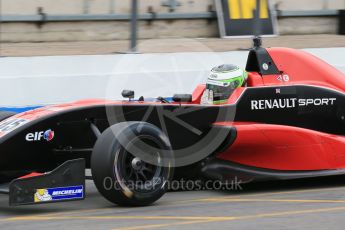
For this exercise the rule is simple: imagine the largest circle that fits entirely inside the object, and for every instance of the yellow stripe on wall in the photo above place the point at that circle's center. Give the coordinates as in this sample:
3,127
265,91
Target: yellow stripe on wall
248,6
264,9
234,9
244,9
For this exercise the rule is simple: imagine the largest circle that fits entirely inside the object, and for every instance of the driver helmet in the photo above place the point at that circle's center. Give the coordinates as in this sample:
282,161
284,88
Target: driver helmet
222,82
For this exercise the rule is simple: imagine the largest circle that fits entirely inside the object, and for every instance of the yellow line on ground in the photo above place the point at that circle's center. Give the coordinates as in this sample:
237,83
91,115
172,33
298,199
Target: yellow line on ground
181,202
34,218
310,211
223,219
272,200
230,196
152,226
214,199
190,218
77,212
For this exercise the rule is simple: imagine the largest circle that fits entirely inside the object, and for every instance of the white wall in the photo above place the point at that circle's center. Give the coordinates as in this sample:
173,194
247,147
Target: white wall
46,80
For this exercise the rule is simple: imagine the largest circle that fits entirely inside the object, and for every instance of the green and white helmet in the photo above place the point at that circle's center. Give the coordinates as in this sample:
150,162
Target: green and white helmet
222,82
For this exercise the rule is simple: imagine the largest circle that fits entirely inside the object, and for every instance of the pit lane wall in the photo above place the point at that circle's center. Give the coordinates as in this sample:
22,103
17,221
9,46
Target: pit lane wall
34,81
111,30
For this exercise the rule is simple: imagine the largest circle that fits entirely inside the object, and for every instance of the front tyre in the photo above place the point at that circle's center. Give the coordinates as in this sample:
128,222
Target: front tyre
131,163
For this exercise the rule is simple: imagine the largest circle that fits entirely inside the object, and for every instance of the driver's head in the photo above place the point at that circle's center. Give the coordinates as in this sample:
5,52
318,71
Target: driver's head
222,82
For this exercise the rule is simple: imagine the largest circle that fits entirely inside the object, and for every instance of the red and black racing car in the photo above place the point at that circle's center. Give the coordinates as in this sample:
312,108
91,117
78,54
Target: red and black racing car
287,122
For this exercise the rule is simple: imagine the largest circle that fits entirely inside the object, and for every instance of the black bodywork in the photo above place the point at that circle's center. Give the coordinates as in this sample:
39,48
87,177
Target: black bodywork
76,130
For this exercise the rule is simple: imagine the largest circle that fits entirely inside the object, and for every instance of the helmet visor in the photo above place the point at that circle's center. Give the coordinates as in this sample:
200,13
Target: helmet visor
220,93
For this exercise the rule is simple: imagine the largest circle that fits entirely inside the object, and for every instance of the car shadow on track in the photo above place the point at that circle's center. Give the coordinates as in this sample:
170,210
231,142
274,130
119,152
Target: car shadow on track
290,185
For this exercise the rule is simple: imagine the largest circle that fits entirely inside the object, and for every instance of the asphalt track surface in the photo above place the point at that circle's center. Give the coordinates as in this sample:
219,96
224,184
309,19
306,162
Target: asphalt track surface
302,204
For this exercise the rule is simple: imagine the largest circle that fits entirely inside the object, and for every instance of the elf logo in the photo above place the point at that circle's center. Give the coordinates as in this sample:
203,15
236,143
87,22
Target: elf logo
38,136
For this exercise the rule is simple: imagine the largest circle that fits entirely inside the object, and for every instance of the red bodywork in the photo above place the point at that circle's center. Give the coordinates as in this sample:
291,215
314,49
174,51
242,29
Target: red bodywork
289,148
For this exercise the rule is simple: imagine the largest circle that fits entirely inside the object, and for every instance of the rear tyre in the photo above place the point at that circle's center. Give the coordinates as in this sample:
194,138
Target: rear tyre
131,164
4,115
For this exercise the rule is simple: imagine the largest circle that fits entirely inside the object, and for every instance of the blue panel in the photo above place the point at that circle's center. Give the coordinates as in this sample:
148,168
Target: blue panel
19,109
59,194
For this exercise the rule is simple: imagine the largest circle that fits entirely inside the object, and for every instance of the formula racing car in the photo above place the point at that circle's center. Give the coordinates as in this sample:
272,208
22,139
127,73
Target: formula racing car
286,121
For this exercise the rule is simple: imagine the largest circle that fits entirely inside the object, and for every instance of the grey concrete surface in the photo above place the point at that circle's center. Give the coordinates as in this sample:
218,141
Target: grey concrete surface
302,204
174,45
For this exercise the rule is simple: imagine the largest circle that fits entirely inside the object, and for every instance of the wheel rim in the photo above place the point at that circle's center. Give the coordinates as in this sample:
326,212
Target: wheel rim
136,170
136,175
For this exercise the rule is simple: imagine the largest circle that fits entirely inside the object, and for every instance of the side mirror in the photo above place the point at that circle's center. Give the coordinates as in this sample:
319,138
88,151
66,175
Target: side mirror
128,94
182,98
